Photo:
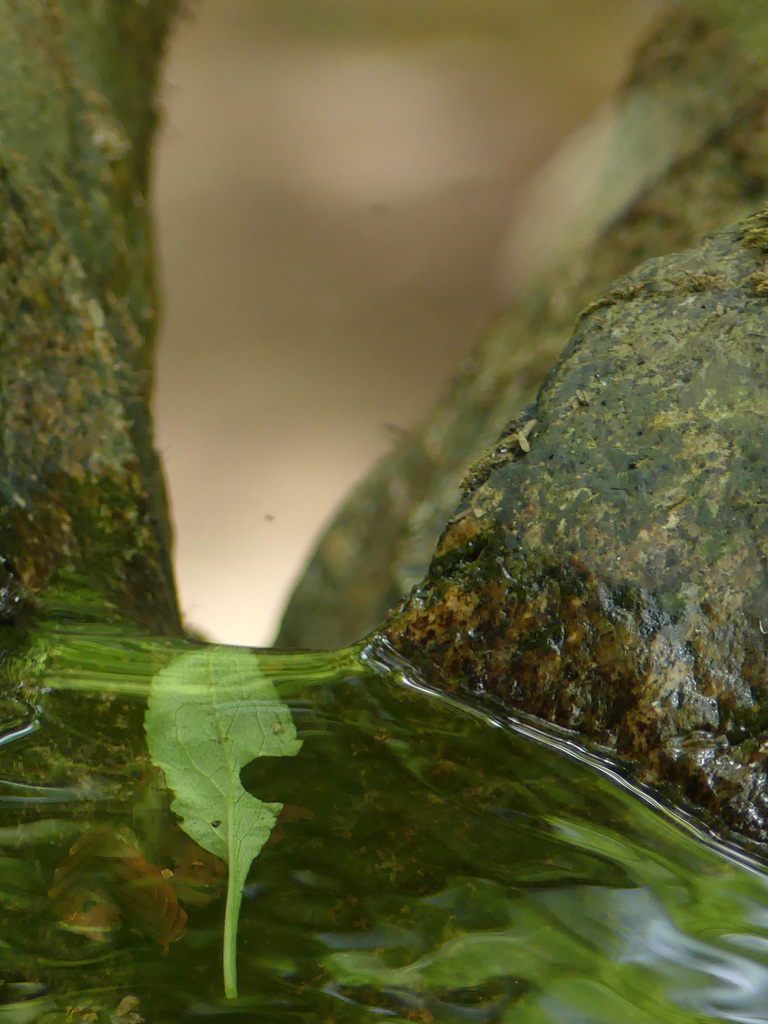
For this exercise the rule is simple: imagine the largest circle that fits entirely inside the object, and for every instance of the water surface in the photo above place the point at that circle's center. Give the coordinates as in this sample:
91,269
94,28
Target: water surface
434,861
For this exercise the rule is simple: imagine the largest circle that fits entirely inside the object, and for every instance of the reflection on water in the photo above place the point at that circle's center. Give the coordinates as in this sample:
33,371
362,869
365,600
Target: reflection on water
431,863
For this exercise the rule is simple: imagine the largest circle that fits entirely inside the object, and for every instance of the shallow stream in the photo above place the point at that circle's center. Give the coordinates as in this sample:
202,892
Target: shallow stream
432,861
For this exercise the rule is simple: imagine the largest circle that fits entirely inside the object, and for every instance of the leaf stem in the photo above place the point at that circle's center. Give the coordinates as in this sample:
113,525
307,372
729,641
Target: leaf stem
235,882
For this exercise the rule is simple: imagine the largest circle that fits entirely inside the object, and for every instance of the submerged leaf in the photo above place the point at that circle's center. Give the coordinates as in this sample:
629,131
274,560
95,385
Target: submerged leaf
210,713
106,879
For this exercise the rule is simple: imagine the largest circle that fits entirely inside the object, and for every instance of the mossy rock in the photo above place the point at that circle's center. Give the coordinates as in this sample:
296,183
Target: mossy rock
607,568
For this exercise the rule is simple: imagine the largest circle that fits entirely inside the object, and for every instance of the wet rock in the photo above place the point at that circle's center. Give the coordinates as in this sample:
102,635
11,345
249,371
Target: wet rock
687,154
607,567
81,489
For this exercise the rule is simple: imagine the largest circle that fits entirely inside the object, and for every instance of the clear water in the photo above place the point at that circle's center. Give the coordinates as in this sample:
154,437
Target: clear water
433,862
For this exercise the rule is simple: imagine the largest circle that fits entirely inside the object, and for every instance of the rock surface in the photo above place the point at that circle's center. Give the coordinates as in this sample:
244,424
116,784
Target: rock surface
81,490
607,568
686,155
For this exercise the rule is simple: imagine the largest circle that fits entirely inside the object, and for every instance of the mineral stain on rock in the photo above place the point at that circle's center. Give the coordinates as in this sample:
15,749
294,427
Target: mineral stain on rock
611,574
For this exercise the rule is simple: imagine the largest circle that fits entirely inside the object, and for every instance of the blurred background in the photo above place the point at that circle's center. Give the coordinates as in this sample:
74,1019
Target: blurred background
334,182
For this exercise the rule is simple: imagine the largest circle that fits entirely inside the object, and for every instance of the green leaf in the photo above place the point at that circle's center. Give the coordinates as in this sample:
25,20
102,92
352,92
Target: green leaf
210,713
